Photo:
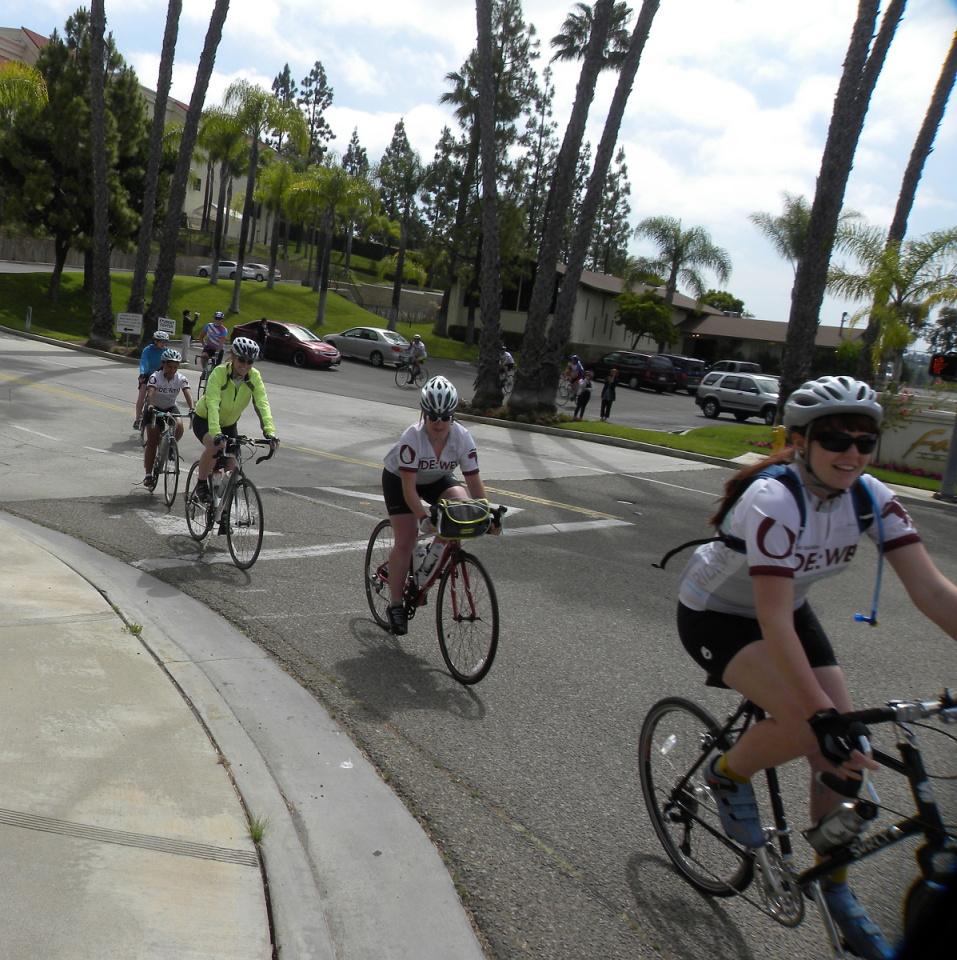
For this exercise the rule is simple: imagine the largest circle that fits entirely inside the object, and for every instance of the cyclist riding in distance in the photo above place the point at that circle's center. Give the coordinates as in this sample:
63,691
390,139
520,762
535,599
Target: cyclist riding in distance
150,360
575,370
417,351
744,617
161,392
419,472
214,337
505,360
230,388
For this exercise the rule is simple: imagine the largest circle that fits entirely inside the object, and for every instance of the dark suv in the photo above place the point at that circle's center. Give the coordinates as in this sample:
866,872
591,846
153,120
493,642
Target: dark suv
689,370
637,370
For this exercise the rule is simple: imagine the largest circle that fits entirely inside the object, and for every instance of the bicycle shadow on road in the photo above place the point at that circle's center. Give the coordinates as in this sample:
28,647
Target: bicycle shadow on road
691,924
391,677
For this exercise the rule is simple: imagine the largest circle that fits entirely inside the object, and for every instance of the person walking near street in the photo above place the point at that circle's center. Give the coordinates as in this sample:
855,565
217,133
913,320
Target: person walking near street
189,323
608,393
584,395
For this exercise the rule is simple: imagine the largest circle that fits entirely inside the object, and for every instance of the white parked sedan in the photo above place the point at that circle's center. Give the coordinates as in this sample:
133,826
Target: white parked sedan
261,271
227,270
374,344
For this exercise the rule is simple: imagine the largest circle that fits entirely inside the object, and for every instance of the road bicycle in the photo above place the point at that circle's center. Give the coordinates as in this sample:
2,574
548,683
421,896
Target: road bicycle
209,363
507,379
677,742
410,374
234,504
564,391
466,610
166,460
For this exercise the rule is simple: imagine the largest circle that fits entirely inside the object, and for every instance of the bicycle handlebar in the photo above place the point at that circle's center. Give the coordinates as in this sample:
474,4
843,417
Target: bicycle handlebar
902,711
497,514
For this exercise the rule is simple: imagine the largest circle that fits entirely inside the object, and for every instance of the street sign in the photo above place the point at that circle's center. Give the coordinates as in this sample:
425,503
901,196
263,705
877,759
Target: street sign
167,324
129,324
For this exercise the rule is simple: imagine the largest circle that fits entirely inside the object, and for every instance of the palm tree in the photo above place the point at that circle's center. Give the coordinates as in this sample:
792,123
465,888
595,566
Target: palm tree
787,231
683,254
912,174
166,263
863,62
571,42
137,296
903,281
21,88
257,113
272,192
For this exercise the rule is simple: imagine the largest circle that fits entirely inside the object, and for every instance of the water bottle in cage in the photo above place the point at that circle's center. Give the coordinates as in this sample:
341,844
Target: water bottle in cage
429,561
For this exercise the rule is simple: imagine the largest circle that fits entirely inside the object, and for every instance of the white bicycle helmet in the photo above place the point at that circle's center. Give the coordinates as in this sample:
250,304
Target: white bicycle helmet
244,348
439,397
170,354
828,396
161,335
219,315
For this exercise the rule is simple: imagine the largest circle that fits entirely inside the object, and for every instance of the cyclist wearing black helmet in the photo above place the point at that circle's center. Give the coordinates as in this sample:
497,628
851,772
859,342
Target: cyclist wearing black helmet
419,472
743,613
229,390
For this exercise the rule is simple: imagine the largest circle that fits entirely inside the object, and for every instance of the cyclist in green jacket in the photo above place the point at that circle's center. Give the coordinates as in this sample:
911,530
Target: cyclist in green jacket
229,390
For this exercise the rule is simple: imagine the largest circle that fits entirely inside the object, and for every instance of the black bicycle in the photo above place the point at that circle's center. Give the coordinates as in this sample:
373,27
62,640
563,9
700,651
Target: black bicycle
234,504
408,373
678,740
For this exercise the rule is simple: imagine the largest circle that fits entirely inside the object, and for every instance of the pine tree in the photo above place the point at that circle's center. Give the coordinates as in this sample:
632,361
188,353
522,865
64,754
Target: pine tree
315,97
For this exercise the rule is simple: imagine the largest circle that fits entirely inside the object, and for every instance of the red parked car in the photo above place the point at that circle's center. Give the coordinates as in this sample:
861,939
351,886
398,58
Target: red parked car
290,341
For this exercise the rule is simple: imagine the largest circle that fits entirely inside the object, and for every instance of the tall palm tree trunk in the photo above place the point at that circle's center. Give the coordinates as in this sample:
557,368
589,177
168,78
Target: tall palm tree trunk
137,297
905,199
862,66
527,392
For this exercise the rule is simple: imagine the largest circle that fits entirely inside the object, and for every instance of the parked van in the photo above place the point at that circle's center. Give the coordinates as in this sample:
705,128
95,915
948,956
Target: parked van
689,371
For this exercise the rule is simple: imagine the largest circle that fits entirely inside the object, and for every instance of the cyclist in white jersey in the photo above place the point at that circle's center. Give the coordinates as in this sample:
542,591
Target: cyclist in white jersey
162,389
745,619
419,472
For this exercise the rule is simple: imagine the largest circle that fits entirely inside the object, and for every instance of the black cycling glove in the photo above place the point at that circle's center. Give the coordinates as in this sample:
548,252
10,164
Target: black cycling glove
838,735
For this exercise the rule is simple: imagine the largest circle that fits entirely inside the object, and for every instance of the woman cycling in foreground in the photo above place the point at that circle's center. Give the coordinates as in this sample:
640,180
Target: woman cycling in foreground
230,388
418,472
744,617
161,391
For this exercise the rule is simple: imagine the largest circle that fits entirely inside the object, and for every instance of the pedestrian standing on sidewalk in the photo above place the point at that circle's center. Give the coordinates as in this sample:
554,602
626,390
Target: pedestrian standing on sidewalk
189,323
608,393
584,395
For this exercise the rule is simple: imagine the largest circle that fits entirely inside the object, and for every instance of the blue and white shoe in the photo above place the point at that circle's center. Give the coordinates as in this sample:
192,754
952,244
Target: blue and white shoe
737,808
861,934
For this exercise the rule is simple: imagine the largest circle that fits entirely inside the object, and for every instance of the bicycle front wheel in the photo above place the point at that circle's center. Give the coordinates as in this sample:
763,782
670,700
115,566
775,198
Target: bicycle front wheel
169,467
421,375
677,740
376,571
199,515
466,618
564,392
402,377
244,523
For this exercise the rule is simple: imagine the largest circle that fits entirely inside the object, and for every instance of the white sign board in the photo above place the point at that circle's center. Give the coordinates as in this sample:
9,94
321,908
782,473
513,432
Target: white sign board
129,324
167,324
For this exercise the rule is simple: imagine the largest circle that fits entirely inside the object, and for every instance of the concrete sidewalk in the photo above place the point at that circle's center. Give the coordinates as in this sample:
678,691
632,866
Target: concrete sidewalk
132,761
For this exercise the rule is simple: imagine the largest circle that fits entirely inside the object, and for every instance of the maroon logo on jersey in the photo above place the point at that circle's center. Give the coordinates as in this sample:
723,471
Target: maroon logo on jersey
406,455
764,529
472,455
894,507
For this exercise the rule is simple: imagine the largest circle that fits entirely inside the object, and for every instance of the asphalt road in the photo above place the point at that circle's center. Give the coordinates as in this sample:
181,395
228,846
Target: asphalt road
528,781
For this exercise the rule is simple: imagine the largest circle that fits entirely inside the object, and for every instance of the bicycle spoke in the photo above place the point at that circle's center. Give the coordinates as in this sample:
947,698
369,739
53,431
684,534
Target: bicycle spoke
170,468
243,517
376,571
466,616
199,516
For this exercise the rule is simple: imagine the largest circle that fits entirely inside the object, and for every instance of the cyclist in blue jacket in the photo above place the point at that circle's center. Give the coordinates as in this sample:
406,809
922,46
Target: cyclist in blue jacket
151,359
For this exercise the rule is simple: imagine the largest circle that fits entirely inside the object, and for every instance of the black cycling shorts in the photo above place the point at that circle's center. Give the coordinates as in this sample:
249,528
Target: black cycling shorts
714,639
201,428
429,492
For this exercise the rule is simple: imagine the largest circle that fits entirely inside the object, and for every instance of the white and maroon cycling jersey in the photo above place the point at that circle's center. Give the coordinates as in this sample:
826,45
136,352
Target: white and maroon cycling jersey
768,519
414,453
167,390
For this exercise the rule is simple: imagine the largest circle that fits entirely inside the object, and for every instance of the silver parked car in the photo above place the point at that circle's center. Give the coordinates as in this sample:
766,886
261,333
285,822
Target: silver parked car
742,395
227,270
374,344
261,271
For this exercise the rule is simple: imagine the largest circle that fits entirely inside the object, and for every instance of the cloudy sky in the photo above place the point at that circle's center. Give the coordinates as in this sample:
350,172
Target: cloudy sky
730,106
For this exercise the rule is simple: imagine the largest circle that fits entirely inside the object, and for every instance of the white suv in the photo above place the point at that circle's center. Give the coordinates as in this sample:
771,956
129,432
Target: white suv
740,394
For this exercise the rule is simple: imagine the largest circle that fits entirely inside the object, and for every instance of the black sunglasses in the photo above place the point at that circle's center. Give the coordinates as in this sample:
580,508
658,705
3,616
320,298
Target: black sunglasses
836,442
435,418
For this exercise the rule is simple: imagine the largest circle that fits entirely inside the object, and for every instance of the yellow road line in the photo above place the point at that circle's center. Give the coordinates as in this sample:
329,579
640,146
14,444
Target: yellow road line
323,453
63,393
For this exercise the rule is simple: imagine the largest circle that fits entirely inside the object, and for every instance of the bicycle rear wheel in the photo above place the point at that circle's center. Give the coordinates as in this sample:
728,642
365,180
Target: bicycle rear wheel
199,515
466,618
169,467
508,381
677,739
376,575
421,375
564,392
244,523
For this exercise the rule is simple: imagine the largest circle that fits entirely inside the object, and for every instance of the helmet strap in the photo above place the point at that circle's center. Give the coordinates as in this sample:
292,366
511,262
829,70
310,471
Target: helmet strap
815,483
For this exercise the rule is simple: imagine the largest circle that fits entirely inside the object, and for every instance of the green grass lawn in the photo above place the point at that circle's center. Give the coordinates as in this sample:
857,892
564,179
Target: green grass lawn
69,319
